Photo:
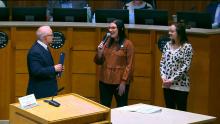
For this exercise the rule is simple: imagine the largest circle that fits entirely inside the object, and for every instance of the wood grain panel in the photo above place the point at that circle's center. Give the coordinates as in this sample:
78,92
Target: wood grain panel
199,68
181,5
21,84
21,61
214,82
140,89
158,92
141,40
104,4
25,3
3,83
6,76
84,84
84,39
143,65
25,37
82,62
131,101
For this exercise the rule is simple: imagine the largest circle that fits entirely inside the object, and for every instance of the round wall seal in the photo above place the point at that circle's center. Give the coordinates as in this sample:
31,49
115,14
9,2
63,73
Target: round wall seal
162,42
3,39
58,40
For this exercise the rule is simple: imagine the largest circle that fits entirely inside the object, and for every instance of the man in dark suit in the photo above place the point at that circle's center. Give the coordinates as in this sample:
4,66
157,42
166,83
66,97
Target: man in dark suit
42,71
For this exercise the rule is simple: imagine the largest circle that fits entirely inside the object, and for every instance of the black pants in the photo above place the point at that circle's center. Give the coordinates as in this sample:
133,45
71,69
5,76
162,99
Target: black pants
175,99
108,90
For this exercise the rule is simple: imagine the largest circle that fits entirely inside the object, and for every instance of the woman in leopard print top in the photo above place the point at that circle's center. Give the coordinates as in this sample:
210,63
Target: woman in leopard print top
174,67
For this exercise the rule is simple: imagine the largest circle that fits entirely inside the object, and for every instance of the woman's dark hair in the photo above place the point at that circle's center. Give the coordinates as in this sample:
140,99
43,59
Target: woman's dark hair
121,32
181,32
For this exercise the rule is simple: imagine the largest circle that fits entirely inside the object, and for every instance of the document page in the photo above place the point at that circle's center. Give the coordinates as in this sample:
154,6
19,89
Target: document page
141,108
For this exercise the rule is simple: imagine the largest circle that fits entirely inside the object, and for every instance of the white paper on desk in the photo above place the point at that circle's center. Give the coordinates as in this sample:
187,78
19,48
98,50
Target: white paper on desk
141,108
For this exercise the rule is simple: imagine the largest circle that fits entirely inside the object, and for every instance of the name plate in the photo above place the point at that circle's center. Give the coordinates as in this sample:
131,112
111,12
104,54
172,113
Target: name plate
28,101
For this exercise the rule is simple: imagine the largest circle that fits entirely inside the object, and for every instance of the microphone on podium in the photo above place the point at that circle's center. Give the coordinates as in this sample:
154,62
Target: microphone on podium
53,102
61,61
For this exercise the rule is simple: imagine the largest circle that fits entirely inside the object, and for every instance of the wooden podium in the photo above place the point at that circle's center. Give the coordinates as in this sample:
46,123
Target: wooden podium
74,109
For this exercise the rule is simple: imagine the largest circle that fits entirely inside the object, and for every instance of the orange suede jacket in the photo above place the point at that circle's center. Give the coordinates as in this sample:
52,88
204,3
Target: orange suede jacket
116,64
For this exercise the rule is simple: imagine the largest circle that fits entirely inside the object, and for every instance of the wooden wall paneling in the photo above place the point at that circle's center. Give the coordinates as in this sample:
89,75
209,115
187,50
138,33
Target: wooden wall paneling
179,5
4,85
65,79
12,62
131,102
25,37
153,38
6,81
166,5
10,69
21,73
83,73
143,65
99,33
190,5
158,92
21,61
140,89
199,74
83,68
214,108
106,4
84,39
82,62
141,40
84,84
21,81
26,3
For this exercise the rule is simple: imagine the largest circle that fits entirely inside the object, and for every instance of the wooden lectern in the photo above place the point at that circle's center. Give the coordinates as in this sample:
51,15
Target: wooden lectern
74,109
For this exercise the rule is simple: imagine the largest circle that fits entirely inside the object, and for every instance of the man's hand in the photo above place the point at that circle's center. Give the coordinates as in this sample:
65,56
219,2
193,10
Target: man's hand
59,68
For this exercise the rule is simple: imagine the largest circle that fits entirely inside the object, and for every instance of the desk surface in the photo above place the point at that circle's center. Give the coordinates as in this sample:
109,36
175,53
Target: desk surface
102,25
165,116
74,109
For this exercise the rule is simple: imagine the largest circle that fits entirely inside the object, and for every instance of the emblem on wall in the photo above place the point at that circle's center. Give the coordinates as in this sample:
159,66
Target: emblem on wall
3,39
58,40
162,42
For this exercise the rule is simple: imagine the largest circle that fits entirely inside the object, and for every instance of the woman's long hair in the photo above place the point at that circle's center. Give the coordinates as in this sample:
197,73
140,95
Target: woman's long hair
181,32
121,32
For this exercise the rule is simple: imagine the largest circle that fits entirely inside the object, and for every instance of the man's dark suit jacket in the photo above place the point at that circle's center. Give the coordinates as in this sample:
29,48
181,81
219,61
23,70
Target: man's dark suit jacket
42,75
211,8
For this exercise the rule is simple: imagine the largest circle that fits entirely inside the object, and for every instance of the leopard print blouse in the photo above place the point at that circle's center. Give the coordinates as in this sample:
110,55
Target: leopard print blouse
175,65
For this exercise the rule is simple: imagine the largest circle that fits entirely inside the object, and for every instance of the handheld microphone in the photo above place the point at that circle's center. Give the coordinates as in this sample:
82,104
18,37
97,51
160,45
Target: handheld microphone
53,102
61,61
106,38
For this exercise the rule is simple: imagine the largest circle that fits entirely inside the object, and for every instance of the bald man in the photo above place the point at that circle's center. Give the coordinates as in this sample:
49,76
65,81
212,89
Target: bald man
41,68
